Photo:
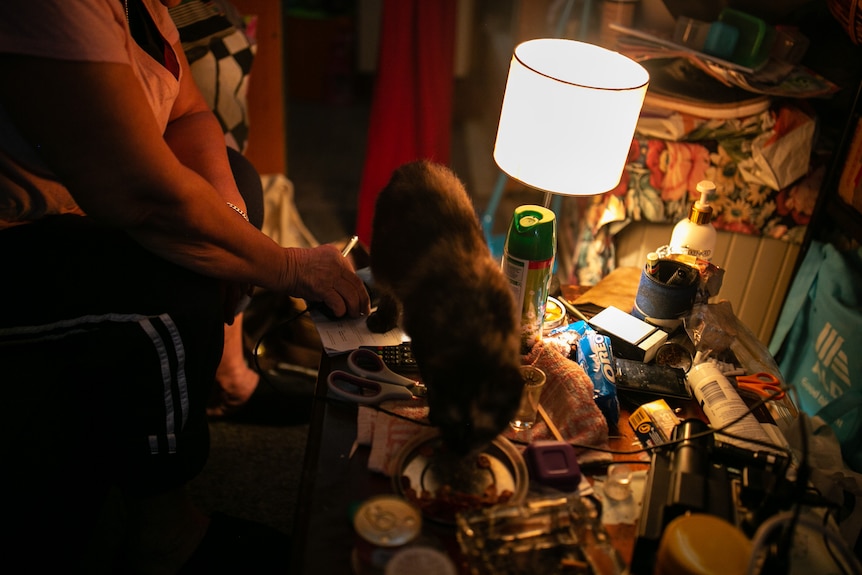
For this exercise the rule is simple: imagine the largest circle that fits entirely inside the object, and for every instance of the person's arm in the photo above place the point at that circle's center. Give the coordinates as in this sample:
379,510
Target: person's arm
92,125
196,138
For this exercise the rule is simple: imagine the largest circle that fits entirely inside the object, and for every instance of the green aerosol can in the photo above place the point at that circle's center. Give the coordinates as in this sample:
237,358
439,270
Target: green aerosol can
528,263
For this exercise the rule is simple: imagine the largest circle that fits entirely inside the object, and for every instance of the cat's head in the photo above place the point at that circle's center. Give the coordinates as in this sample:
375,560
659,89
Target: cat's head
472,397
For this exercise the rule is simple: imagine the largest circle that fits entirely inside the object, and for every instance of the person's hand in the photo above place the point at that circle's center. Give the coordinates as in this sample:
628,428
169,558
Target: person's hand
322,274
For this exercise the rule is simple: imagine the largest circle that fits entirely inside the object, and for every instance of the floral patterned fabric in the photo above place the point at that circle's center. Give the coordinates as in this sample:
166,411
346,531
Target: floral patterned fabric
659,185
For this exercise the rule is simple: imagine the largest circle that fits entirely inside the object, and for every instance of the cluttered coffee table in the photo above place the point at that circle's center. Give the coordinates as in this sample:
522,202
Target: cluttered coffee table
342,474
336,480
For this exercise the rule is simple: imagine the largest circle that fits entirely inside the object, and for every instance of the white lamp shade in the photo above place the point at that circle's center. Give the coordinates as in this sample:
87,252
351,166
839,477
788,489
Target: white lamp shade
569,115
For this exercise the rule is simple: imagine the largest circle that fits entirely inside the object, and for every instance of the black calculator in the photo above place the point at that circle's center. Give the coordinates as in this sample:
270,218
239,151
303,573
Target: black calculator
397,357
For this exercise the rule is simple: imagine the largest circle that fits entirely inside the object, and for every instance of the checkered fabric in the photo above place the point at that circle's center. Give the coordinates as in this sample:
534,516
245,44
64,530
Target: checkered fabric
220,54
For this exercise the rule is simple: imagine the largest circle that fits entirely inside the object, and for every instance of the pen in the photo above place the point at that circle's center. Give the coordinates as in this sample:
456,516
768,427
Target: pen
350,245
572,309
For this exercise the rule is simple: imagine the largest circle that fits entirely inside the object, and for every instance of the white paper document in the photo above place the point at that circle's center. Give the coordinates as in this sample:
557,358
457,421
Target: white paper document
343,335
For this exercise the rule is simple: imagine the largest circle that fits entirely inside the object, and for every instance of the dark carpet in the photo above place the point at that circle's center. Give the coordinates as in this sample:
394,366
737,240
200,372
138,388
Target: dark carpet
256,455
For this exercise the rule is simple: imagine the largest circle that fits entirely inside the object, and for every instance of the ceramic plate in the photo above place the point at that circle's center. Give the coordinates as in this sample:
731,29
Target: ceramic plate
442,484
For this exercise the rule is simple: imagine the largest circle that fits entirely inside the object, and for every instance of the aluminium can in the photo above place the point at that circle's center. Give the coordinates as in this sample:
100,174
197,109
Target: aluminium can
384,524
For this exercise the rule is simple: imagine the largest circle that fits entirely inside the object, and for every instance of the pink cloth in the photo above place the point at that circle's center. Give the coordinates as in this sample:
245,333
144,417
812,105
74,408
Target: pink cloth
568,400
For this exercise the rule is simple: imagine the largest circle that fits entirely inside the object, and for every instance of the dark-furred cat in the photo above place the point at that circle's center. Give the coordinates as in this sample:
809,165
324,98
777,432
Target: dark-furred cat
432,267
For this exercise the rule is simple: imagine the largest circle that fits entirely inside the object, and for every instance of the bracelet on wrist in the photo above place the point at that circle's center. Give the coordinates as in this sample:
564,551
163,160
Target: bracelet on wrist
238,210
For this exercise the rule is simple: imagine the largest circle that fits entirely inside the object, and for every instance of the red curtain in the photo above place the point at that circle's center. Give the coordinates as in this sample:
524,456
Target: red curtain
411,112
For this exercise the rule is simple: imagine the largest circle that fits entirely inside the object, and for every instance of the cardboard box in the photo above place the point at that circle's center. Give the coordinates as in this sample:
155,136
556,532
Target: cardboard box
631,337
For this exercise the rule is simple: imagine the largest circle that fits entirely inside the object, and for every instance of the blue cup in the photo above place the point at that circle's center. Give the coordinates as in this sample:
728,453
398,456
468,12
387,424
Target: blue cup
667,295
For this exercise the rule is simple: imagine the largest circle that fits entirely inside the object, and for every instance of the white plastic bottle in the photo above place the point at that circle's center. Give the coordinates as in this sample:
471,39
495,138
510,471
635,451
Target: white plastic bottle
722,405
695,235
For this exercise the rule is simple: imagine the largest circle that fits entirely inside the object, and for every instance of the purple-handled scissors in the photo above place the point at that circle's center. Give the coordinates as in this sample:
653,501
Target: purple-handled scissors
371,381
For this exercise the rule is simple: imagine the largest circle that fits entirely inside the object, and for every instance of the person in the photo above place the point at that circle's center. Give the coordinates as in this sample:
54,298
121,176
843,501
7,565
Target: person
126,248
220,53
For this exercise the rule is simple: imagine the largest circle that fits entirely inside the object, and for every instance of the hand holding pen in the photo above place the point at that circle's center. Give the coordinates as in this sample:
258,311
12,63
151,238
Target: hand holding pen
349,247
326,280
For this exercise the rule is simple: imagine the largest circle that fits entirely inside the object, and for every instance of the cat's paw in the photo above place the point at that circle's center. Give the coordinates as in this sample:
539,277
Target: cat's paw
377,323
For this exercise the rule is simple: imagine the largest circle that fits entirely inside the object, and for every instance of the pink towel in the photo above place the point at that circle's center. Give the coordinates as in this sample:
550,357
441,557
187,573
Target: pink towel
568,399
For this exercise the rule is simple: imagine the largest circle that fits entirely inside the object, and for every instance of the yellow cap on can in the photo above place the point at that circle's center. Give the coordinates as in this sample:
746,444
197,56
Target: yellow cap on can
701,544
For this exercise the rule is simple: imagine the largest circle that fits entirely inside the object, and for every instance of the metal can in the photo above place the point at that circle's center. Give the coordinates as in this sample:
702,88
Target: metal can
555,315
528,263
384,524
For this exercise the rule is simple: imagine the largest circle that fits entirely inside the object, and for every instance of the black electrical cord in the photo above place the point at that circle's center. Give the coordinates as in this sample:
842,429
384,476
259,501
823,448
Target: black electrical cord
712,431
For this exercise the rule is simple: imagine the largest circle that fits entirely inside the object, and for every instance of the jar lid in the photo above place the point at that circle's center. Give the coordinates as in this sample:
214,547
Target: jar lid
387,521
